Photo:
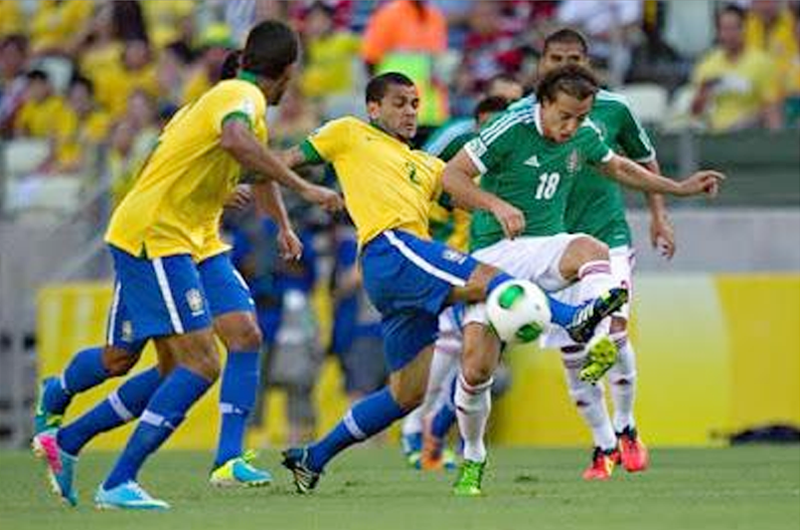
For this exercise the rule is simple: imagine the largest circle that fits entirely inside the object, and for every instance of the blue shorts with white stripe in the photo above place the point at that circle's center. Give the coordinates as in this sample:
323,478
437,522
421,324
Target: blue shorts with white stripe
408,280
224,288
158,297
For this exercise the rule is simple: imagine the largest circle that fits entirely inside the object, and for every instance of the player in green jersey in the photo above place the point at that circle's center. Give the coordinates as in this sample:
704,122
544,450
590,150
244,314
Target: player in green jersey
531,159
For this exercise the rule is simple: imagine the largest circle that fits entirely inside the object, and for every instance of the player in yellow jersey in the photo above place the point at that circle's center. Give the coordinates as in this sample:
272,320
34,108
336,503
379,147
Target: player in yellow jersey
164,227
388,188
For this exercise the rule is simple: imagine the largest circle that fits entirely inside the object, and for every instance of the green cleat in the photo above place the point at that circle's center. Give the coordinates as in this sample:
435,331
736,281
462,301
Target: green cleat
44,420
601,354
240,472
470,475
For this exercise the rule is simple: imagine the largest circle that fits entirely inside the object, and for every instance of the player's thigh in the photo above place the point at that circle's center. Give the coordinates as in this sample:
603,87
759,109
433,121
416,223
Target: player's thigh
408,383
121,351
582,249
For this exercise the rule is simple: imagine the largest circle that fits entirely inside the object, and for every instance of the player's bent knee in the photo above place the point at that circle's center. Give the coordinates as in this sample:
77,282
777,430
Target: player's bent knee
246,338
118,361
619,326
589,249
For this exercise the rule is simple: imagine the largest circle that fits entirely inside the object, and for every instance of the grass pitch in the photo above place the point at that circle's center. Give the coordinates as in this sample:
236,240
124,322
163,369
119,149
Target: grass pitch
738,488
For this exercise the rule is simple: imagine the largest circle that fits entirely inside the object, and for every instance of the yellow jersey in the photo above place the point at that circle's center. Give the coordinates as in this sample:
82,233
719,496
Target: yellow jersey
386,184
177,199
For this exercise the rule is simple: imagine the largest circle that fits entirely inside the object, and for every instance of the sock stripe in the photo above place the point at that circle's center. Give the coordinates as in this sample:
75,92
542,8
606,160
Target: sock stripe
352,426
156,420
63,382
230,408
477,389
119,407
594,267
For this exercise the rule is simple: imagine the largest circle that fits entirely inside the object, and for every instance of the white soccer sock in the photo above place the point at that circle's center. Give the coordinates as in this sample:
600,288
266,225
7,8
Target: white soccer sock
442,365
594,278
590,402
412,423
473,405
622,383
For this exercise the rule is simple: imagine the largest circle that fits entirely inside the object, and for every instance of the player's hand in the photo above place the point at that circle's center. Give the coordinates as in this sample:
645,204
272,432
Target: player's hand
662,236
329,200
703,182
289,245
510,218
241,196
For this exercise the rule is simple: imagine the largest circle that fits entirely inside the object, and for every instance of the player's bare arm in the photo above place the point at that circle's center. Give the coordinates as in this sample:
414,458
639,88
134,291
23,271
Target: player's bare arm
242,145
270,202
662,234
632,175
457,180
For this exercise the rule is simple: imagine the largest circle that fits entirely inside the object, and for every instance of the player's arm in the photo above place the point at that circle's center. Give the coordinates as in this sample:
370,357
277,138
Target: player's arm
630,174
237,140
270,202
457,180
294,157
662,234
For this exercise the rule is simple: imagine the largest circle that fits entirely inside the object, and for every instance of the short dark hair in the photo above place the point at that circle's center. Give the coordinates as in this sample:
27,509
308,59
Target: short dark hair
573,80
37,75
732,9
490,104
15,40
566,36
81,80
376,88
271,47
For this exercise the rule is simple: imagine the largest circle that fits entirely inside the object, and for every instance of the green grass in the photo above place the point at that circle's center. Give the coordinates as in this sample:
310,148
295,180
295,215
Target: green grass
753,487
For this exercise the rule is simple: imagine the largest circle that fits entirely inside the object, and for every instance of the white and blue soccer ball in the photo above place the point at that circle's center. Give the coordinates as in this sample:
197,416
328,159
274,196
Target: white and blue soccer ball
518,311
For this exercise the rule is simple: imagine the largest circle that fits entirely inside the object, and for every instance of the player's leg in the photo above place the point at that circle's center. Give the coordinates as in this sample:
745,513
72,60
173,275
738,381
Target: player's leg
622,376
87,369
166,300
236,324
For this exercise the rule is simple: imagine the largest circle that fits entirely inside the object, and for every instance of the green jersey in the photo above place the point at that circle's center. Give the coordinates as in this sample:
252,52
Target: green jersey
521,166
596,205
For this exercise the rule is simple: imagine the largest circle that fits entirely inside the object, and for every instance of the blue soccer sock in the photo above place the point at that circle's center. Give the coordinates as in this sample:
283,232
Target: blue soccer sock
164,413
369,416
83,372
445,417
121,406
237,397
498,278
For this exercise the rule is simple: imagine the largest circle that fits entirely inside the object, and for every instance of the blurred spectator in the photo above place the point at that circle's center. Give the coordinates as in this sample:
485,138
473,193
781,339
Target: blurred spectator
406,36
770,28
129,21
56,24
356,337
295,119
792,104
99,49
167,20
11,17
137,72
215,45
84,126
13,60
491,46
612,25
736,87
42,111
241,15
331,55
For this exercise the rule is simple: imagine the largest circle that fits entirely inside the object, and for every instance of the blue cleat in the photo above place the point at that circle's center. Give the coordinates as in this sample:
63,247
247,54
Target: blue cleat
60,465
412,449
43,419
127,496
240,472
295,460
593,312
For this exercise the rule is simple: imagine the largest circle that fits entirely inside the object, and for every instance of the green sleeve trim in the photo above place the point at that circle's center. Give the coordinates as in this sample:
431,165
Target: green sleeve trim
310,153
238,115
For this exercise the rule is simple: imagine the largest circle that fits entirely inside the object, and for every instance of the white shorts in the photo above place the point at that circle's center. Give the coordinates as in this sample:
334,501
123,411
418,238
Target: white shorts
622,261
531,258
451,339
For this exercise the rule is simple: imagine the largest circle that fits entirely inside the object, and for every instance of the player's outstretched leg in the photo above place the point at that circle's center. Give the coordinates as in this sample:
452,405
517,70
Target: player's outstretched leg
59,448
435,453
411,440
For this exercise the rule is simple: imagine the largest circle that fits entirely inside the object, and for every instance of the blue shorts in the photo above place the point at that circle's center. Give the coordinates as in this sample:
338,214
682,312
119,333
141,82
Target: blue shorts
197,293
408,280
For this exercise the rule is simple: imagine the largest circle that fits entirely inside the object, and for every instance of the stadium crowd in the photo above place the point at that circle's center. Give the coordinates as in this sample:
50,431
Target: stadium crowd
80,74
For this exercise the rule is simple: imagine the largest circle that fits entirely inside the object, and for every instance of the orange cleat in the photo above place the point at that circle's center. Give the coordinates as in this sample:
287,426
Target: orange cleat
633,454
602,464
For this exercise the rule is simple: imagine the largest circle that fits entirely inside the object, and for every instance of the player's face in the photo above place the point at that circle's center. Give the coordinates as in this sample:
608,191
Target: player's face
506,89
730,31
561,54
397,112
276,91
562,116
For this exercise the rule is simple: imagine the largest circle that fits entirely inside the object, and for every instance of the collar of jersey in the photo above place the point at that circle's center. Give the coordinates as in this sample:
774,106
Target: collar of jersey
248,76
387,133
537,118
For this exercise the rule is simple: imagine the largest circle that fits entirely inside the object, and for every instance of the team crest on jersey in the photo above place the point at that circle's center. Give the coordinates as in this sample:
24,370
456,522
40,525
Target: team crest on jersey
453,255
195,301
573,161
411,167
127,331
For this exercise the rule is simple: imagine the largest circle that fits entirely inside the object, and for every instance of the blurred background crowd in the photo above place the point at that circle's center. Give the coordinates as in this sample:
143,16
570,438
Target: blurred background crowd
86,85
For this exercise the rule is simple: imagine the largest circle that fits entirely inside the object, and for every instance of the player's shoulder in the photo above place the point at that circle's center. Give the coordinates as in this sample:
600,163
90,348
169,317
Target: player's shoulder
606,99
236,90
507,123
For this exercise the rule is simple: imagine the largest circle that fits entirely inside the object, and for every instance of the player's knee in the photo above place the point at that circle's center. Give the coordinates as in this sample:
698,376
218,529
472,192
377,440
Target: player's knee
203,360
118,361
587,248
475,374
408,397
619,328
247,337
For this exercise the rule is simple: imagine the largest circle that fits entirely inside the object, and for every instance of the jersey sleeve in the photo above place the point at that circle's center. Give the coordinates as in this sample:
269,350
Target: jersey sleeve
594,148
235,101
493,145
633,137
328,142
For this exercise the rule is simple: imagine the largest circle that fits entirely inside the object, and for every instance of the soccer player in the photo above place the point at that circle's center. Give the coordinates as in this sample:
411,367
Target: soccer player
532,158
160,230
388,188
595,207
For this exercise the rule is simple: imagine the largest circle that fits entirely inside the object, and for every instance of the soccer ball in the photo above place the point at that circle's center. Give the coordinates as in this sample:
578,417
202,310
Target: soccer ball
518,311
